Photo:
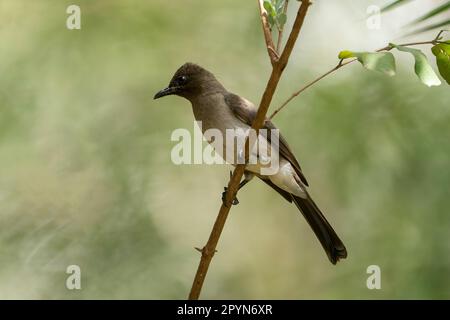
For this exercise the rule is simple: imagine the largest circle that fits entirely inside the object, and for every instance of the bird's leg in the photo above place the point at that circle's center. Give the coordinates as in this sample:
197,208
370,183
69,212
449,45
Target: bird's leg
247,177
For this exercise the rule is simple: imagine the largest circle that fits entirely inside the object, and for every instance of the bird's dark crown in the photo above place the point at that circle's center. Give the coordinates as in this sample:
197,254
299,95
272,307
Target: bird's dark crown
191,70
191,81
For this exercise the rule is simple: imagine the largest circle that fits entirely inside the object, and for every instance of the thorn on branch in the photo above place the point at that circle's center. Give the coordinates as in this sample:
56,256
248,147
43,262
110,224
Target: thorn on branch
204,251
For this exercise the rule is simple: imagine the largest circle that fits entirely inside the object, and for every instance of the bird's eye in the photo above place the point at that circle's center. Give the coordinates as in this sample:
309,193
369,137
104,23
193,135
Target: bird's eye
182,80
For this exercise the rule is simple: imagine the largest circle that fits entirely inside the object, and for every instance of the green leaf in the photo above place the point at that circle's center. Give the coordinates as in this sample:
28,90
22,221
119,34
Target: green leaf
271,14
383,62
282,19
442,53
345,54
431,27
442,8
271,20
279,4
393,5
269,8
422,68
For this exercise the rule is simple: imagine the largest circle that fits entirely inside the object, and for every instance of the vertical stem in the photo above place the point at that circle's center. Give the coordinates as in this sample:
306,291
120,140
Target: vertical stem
210,248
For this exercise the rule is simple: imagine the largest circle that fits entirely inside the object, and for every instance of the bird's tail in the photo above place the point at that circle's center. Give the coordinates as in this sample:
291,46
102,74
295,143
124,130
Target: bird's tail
333,246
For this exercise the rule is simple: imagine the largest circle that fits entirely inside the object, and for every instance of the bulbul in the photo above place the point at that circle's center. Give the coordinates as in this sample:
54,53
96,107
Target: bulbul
217,108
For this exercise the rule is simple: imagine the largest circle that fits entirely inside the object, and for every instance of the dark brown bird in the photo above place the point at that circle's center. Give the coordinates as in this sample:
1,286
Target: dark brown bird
217,108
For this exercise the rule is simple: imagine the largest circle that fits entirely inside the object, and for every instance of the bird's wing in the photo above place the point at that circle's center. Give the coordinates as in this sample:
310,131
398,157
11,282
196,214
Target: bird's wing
245,111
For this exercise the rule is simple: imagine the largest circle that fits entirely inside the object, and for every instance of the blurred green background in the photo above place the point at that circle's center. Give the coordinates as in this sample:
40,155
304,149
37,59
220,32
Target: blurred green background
86,176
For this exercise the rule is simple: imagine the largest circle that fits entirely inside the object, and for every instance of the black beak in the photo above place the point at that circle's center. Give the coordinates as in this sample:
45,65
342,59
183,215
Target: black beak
165,92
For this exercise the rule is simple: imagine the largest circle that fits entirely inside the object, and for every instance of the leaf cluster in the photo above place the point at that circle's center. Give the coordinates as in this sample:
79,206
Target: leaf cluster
384,62
276,14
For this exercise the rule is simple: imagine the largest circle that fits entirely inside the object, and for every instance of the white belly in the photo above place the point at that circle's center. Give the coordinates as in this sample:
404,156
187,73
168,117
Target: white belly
261,162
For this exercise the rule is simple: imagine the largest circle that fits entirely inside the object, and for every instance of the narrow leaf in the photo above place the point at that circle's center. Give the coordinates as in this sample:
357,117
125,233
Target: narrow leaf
267,5
269,8
422,68
433,26
393,5
442,53
434,12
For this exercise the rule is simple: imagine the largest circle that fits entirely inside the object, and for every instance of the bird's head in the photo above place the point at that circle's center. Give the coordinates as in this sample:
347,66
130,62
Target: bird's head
189,81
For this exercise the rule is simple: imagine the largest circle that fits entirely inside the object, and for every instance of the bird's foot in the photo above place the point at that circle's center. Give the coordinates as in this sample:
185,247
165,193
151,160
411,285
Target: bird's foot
224,198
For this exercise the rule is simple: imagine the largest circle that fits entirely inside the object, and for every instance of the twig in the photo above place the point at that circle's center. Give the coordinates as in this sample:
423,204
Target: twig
340,65
273,55
280,31
277,70
438,37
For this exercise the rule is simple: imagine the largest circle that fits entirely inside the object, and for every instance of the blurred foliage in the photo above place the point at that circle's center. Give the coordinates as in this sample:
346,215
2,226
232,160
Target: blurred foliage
86,176
440,10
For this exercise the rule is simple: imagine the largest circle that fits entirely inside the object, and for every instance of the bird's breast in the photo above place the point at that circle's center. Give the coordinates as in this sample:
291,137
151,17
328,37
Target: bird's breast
213,113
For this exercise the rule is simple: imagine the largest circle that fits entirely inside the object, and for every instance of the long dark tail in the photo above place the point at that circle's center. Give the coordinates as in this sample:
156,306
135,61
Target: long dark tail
333,246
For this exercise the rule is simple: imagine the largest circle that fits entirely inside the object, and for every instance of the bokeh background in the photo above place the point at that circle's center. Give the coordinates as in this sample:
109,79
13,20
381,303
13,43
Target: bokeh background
86,176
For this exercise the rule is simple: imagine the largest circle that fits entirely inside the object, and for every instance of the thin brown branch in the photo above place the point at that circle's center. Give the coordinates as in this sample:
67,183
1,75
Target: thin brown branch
267,34
337,67
307,86
210,248
281,30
